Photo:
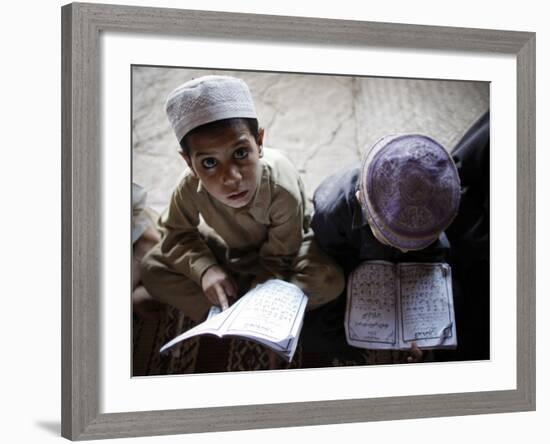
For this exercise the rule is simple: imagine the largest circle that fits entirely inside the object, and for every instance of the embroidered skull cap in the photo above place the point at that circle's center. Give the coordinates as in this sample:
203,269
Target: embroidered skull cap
410,190
207,99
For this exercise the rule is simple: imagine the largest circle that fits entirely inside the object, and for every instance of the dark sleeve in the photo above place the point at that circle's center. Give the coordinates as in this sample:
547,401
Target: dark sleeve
470,229
469,237
331,223
471,154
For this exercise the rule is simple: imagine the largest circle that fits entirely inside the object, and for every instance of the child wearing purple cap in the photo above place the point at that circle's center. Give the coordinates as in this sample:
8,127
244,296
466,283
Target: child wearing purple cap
239,216
357,219
395,207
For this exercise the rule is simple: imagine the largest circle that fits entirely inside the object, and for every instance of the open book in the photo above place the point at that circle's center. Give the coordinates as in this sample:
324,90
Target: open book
271,314
391,305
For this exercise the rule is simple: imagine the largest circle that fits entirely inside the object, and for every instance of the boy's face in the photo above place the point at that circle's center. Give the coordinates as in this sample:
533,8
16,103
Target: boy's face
226,160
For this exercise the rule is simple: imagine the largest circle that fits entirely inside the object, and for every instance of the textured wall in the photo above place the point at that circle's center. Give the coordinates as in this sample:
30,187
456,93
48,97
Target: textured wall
324,123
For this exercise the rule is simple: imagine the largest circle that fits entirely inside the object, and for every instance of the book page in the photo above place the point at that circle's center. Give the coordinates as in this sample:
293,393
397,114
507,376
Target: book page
271,314
427,314
273,310
371,307
212,325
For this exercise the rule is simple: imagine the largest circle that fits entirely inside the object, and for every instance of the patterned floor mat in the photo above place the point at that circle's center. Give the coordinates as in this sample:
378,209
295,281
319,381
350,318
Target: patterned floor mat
209,354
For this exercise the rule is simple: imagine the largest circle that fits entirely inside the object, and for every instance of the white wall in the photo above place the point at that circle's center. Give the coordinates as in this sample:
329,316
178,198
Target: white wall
30,184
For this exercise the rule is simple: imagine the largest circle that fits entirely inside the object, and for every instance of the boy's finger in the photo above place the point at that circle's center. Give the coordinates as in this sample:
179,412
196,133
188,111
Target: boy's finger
222,298
235,286
226,289
212,297
229,288
415,351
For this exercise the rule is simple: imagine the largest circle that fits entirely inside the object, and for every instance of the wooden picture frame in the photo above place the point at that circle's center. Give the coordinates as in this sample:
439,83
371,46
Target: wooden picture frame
81,180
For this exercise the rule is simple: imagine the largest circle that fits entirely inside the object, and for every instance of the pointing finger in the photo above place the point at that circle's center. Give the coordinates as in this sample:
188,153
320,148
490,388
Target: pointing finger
222,297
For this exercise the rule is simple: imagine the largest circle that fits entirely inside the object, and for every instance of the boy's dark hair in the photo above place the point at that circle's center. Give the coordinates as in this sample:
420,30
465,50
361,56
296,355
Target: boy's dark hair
251,123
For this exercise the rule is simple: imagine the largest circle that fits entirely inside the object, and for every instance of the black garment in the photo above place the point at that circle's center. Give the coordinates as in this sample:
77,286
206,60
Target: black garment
469,237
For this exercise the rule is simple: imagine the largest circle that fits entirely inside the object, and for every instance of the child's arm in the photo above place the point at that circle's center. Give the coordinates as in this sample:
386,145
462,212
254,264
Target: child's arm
331,226
286,215
182,246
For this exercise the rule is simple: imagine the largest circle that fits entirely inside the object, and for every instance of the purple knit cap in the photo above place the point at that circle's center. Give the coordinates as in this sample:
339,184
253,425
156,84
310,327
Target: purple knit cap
411,190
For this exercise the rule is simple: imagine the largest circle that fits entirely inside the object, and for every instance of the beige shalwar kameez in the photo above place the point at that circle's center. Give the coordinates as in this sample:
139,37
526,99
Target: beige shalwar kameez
268,238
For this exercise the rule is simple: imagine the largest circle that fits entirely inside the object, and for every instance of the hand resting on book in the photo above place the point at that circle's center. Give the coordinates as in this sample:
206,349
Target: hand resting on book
271,314
416,355
218,286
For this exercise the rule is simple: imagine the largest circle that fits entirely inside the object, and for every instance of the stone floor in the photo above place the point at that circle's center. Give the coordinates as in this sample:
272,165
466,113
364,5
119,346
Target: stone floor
323,123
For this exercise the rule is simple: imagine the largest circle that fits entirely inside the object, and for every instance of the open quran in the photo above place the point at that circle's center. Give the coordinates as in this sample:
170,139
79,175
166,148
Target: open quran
271,314
390,306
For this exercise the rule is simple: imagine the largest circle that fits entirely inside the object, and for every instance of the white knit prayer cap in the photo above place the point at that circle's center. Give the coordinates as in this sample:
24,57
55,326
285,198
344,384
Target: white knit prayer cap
207,99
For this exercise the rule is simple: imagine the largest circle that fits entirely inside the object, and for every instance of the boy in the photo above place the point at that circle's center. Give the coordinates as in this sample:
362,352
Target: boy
238,216
395,207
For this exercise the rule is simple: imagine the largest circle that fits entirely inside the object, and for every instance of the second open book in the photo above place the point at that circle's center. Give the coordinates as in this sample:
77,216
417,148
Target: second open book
390,306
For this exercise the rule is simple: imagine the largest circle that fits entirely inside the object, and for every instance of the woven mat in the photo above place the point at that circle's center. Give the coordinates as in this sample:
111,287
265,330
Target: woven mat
209,354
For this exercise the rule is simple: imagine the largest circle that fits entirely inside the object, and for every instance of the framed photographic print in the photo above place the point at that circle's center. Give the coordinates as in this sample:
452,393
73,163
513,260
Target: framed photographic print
325,91
352,113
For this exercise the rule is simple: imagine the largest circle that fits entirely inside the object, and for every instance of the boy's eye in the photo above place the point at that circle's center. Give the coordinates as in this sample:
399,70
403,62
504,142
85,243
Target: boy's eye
209,162
240,153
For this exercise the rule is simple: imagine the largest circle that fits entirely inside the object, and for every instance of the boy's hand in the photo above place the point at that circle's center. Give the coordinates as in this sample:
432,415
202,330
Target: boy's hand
416,354
218,286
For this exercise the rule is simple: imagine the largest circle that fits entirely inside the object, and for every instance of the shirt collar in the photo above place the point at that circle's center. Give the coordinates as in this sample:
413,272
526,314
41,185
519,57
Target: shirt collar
260,203
200,187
